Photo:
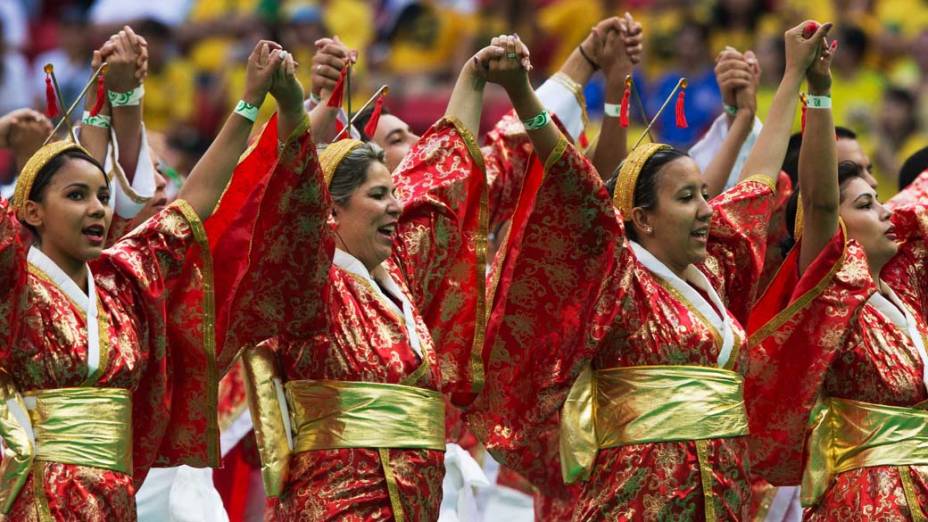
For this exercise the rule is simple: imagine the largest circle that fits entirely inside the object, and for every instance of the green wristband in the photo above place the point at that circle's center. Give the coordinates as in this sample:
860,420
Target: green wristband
100,120
818,102
537,121
246,110
126,99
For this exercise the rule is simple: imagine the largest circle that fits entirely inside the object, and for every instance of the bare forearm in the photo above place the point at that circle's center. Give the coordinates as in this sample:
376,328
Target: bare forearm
211,174
577,68
466,101
611,147
719,169
767,155
527,106
95,139
127,124
322,123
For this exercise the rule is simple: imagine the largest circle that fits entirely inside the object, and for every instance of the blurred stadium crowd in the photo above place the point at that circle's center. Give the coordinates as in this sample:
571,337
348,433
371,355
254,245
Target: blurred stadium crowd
198,48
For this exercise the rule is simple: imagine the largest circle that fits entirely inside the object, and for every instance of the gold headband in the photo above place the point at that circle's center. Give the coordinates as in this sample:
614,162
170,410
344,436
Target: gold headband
35,164
333,155
624,198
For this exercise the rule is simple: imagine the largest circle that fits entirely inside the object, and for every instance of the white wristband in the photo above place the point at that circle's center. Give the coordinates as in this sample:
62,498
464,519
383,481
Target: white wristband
126,99
613,110
818,102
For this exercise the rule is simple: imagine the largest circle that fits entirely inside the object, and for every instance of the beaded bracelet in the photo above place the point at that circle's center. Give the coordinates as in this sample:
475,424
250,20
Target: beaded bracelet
126,99
100,120
246,110
537,121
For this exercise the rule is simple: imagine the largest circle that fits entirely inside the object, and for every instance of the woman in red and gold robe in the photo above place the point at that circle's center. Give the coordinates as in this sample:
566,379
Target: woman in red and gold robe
363,370
587,300
837,378
108,360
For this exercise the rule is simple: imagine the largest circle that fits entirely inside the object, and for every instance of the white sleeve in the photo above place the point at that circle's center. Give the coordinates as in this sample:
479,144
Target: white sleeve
707,147
565,103
128,200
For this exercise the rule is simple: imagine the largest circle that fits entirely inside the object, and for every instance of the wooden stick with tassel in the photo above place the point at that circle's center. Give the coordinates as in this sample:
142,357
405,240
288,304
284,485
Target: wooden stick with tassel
67,113
680,83
383,89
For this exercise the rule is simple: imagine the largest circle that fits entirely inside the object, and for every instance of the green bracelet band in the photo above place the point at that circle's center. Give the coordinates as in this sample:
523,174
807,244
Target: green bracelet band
731,110
818,102
246,110
537,121
126,99
100,120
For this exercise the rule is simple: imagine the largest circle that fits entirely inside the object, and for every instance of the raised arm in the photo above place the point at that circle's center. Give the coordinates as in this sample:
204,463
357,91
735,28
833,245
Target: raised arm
621,50
818,161
510,70
466,103
739,75
767,155
128,59
211,174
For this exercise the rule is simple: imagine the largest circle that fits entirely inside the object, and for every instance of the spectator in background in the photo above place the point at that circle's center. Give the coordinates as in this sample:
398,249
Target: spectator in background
703,97
71,58
735,23
913,166
14,77
302,25
898,133
116,13
858,87
772,60
169,88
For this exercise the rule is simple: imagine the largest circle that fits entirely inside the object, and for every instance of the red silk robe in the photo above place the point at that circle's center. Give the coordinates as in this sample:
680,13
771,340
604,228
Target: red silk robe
153,288
819,335
571,292
343,327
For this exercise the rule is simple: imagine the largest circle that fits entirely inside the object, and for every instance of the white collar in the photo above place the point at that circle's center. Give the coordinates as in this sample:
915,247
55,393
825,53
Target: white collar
895,310
721,323
379,280
87,302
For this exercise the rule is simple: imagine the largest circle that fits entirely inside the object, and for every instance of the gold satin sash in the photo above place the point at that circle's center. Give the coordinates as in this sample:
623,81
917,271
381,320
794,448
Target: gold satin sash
332,414
848,435
81,426
343,414
640,404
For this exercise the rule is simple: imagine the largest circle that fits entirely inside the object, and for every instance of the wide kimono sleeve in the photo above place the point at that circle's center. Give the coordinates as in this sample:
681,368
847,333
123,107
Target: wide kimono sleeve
737,243
916,192
441,249
907,271
507,152
550,310
14,246
272,234
797,329
162,271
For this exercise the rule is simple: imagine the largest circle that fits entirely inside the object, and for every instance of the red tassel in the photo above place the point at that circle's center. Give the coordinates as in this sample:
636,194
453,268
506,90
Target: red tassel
583,140
623,108
101,96
681,108
51,101
339,91
803,121
371,127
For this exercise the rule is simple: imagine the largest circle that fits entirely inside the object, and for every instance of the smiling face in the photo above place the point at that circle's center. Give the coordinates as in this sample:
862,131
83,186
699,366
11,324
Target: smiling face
395,138
366,222
867,221
676,228
72,214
